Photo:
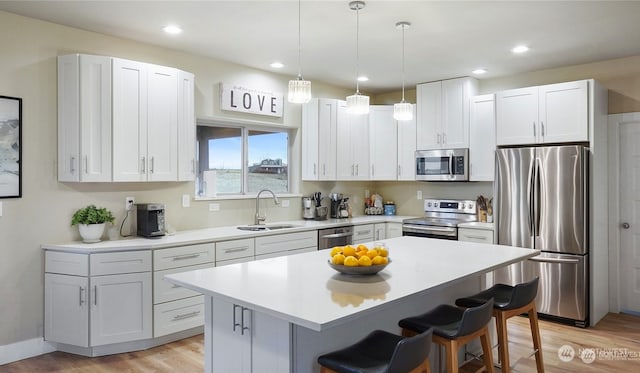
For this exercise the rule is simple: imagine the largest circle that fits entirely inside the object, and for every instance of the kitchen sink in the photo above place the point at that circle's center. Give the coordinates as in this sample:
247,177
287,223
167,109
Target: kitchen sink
264,227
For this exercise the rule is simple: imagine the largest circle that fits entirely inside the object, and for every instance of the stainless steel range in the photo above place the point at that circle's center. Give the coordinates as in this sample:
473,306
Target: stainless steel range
441,219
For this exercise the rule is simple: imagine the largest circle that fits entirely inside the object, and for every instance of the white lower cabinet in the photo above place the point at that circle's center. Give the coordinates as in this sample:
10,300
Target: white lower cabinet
88,310
178,315
475,235
380,231
363,233
247,341
286,244
394,230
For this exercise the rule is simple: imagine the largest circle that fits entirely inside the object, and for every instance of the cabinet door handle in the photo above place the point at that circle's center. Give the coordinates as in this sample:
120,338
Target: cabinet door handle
324,170
82,301
444,138
438,139
357,170
399,170
314,169
542,129
352,170
236,249
95,295
244,327
72,165
193,166
476,237
144,165
153,163
534,129
235,321
86,164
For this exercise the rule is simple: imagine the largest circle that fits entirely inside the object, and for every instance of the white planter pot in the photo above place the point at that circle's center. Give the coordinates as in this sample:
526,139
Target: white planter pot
91,232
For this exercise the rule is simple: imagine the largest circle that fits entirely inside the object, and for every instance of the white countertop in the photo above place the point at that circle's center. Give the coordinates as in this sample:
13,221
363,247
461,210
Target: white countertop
197,236
304,290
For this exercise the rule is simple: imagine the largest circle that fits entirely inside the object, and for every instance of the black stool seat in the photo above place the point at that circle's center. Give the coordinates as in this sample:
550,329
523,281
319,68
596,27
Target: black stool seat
450,322
380,352
505,297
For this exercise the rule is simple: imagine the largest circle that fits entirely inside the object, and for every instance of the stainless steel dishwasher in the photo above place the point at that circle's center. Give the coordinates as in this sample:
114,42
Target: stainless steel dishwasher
337,236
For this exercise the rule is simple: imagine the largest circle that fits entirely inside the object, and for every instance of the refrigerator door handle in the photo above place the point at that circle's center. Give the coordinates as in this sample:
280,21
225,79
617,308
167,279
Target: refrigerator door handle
555,260
531,202
538,196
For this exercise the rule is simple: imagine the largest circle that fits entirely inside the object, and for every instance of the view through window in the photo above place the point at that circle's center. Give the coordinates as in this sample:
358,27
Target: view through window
236,160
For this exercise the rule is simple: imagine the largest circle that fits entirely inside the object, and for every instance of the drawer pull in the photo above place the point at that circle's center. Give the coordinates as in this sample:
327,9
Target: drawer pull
187,256
186,315
476,237
236,250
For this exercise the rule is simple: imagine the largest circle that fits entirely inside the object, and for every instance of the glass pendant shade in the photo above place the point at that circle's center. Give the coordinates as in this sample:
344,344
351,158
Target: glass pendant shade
299,91
403,111
358,104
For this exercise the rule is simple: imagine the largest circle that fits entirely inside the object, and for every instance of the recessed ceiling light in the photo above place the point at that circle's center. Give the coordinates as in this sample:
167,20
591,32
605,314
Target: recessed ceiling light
172,29
277,65
479,71
363,78
520,49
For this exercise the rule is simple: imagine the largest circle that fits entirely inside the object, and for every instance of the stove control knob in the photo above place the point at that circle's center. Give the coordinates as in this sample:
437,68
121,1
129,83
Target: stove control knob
428,204
462,206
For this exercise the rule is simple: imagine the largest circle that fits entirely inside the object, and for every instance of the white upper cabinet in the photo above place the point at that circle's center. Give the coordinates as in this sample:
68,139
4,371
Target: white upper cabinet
443,113
383,146
482,138
553,113
319,126
352,161
121,120
186,127
162,123
407,148
84,118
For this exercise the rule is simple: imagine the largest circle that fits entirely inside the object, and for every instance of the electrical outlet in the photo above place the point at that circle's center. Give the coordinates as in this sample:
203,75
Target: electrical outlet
419,195
214,207
285,203
366,193
186,201
128,203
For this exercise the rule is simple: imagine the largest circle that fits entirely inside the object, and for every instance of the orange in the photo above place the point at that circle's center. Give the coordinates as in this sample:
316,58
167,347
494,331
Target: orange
351,261
378,260
372,253
364,261
362,247
336,250
349,250
338,259
383,252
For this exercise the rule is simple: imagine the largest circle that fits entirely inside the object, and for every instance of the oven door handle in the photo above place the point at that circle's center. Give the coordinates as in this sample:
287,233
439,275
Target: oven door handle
432,229
337,235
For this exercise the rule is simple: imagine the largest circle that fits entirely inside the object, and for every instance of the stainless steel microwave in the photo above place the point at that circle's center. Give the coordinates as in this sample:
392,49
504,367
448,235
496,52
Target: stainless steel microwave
442,165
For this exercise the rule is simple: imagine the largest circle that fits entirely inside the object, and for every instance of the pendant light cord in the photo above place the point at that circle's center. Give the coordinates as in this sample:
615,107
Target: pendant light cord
403,27
299,43
357,48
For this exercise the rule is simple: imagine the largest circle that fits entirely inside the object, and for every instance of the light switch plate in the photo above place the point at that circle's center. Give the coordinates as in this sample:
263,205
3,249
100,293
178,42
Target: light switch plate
419,195
285,203
214,207
186,200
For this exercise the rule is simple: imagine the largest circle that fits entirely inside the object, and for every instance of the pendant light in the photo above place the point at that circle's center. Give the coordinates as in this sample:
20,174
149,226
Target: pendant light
299,89
357,103
403,110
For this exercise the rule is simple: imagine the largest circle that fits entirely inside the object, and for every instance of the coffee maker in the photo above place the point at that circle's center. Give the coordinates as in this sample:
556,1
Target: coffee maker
308,208
150,220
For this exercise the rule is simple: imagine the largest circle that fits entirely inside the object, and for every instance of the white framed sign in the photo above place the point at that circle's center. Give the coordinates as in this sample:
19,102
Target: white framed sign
247,100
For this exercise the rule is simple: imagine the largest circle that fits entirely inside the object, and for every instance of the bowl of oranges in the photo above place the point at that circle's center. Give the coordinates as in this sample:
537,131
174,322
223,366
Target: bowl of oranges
359,259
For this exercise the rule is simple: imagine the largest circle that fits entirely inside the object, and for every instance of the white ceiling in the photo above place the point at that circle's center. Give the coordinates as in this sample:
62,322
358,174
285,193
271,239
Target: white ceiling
447,38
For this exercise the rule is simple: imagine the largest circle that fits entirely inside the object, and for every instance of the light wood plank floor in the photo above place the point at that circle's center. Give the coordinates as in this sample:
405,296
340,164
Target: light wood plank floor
615,331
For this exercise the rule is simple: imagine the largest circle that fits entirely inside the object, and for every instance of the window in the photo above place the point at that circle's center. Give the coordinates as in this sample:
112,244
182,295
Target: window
240,160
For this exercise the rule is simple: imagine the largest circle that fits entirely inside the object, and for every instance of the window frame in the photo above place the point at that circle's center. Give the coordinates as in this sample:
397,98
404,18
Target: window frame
244,133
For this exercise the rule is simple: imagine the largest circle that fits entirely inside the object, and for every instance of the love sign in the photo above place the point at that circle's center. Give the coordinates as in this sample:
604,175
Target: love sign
247,100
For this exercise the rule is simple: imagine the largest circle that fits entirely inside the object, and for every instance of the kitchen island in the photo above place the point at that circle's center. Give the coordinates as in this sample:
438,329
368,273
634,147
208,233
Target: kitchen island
279,314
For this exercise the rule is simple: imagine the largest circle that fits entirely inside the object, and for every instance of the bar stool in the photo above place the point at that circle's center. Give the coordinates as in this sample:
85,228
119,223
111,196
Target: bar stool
381,352
510,301
454,327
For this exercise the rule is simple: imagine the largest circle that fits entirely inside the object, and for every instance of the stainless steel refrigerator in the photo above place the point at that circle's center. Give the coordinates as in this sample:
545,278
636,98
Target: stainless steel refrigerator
541,201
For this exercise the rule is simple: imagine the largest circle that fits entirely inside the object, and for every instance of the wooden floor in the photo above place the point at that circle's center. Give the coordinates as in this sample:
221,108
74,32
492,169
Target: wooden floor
615,333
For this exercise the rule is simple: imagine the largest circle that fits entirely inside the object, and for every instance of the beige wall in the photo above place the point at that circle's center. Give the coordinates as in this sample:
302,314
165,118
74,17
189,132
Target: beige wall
42,215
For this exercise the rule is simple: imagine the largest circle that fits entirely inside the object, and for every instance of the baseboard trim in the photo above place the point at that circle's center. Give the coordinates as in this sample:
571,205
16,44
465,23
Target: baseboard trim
24,349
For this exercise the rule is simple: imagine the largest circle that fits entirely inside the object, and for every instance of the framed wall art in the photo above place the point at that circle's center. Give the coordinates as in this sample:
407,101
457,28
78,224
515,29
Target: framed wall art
10,147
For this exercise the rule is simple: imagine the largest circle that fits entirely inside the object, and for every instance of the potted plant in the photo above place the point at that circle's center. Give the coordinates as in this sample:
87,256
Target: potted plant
91,221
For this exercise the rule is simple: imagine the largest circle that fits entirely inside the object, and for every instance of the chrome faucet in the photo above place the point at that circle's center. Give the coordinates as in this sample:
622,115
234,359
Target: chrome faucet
259,219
